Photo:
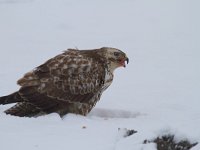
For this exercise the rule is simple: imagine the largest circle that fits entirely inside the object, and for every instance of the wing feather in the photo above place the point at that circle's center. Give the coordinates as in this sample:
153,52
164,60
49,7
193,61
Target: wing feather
65,81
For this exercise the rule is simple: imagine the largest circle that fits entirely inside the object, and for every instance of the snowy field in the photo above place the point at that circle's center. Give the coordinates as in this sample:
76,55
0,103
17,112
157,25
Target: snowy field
157,94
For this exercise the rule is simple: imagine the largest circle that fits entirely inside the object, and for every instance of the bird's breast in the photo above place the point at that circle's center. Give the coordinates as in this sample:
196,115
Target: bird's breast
108,80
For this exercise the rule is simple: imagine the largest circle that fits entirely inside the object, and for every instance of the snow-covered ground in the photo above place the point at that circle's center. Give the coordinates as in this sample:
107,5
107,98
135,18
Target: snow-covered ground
158,93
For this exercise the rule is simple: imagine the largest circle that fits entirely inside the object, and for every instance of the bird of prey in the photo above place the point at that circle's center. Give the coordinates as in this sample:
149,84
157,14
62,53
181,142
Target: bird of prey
71,82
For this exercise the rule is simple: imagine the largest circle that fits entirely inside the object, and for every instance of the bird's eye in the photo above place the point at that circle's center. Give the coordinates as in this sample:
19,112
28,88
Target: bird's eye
116,54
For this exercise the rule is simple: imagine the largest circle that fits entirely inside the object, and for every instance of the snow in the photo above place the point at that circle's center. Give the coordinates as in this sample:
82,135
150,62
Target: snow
156,94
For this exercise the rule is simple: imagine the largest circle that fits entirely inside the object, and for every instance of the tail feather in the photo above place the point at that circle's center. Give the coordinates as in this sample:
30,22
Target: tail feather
12,98
23,109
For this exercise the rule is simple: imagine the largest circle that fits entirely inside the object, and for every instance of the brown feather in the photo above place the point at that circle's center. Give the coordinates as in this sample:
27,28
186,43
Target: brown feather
23,109
71,82
12,98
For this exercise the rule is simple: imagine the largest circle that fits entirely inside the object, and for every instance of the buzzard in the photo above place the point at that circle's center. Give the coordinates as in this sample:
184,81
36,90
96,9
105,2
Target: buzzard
71,82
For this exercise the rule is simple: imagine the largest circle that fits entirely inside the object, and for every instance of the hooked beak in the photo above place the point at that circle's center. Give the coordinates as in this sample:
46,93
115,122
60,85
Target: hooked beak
127,61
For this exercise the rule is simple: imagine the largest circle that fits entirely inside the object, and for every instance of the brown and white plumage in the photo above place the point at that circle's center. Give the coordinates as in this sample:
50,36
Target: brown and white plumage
71,82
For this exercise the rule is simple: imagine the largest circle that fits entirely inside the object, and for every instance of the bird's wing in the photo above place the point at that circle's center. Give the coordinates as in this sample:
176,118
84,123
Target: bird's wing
70,77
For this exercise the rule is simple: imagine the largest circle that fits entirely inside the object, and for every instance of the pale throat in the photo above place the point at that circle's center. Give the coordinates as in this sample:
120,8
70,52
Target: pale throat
113,66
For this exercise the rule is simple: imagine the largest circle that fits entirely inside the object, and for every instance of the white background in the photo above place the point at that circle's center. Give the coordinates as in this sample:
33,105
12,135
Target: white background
158,93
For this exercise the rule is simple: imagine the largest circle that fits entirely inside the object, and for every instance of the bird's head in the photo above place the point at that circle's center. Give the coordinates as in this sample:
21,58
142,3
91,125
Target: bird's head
116,58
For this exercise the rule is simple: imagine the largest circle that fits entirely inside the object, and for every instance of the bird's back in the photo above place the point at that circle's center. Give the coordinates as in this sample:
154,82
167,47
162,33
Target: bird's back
70,82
